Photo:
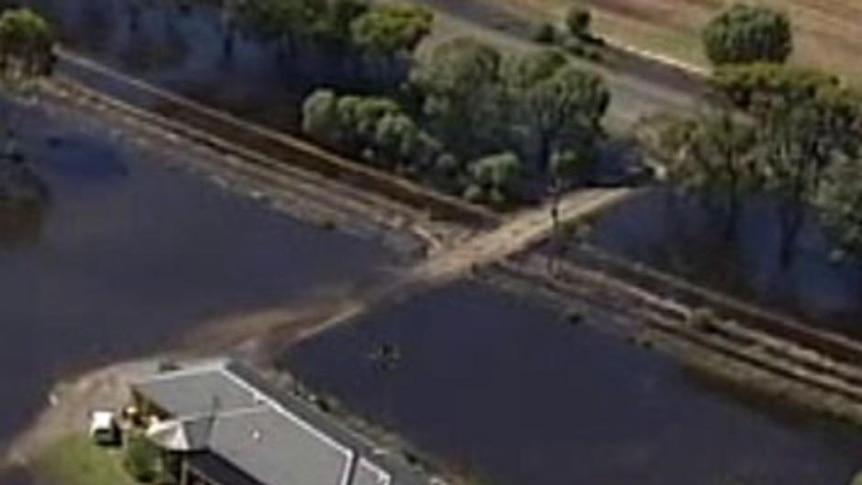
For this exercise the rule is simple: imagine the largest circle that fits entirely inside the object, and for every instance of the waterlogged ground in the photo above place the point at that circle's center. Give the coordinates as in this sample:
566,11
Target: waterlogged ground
508,390
688,238
181,50
130,253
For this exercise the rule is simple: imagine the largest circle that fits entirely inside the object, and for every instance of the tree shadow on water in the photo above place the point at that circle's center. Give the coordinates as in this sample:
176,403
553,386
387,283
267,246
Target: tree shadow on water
24,199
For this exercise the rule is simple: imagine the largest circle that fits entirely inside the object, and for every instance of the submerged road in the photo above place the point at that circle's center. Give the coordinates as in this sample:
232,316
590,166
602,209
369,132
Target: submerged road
489,238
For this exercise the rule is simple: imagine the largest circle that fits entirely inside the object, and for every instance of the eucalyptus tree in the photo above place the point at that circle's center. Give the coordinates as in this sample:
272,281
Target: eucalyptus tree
745,34
839,201
281,21
555,103
578,21
495,179
715,154
333,21
389,33
806,121
396,140
459,81
26,44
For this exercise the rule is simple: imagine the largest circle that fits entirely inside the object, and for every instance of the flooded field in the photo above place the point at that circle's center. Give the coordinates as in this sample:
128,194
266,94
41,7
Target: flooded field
685,237
181,50
508,390
129,254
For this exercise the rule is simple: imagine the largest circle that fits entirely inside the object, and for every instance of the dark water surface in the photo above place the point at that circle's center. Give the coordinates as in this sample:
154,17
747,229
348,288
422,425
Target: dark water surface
686,237
181,50
128,255
508,389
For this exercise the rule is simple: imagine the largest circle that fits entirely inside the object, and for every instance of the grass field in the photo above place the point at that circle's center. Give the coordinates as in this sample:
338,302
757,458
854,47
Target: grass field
828,32
76,461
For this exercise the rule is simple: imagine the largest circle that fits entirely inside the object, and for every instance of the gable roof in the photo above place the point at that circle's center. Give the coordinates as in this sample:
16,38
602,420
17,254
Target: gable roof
273,437
274,449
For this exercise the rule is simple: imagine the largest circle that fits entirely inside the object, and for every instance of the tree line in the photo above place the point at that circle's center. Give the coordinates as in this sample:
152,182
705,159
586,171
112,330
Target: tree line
788,131
478,122
474,121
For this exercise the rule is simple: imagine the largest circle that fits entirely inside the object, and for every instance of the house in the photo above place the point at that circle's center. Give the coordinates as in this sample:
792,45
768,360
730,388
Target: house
231,427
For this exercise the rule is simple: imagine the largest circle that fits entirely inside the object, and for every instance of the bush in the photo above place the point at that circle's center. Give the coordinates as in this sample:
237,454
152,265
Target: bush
578,21
745,34
142,458
545,33
582,48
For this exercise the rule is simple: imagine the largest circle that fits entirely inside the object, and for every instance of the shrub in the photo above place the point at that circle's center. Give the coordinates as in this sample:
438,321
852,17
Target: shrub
578,21
545,33
745,34
142,458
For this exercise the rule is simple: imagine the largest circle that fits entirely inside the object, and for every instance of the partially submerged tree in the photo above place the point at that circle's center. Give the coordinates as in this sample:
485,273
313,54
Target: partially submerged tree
389,33
745,34
840,203
26,44
392,29
715,154
556,103
495,179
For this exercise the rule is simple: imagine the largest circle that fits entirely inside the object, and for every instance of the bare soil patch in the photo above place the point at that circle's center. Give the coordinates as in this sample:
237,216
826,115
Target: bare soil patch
829,34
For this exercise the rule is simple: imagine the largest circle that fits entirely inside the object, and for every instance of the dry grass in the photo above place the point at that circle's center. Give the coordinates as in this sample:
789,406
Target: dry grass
828,32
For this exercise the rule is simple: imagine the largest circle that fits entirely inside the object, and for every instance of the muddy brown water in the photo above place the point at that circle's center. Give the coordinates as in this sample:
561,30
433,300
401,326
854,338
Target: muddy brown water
508,390
497,385
130,253
681,235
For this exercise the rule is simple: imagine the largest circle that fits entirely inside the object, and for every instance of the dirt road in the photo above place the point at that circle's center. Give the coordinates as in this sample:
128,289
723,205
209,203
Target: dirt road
517,233
638,90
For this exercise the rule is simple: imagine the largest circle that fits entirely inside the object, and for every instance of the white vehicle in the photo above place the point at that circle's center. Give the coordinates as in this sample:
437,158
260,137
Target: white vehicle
104,429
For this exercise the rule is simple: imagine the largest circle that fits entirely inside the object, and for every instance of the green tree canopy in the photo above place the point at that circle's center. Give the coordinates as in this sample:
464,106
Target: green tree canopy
459,80
26,44
396,138
556,102
758,86
277,19
578,21
334,19
495,178
744,34
320,117
392,28
840,203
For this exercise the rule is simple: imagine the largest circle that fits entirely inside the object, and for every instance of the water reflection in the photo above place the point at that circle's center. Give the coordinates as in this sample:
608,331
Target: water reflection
685,236
182,49
24,198
21,225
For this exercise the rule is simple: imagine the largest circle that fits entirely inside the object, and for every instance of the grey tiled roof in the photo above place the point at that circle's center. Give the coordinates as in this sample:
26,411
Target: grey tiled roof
274,437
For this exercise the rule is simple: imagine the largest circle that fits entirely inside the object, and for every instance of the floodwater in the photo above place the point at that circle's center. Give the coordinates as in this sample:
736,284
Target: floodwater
506,389
181,50
686,237
130,253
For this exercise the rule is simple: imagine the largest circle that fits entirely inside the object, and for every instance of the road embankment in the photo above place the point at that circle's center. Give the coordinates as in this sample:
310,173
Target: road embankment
204,124
732,349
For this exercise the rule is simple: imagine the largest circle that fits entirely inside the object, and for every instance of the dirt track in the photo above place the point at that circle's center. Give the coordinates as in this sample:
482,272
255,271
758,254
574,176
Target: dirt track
827,31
